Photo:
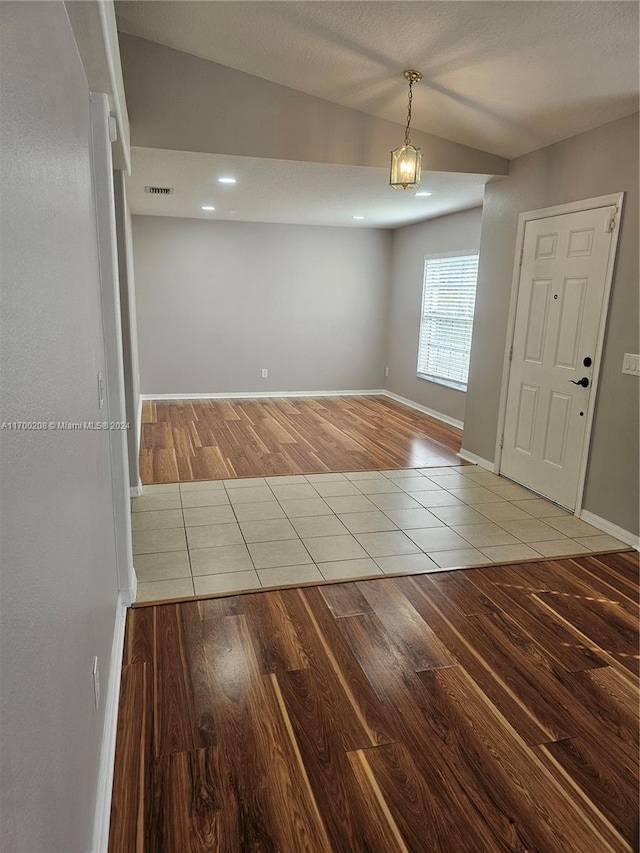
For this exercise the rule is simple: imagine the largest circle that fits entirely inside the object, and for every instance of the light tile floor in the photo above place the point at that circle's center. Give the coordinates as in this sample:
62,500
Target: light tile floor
221,536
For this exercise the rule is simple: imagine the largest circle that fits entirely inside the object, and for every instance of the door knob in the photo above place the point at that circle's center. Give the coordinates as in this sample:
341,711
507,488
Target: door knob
584,382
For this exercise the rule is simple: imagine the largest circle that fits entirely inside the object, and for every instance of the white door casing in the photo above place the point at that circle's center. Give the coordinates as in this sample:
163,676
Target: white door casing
560,313
115,410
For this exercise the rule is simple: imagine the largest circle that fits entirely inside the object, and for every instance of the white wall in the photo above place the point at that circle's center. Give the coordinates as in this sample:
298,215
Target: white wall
459,232
219,301
602,161
58,584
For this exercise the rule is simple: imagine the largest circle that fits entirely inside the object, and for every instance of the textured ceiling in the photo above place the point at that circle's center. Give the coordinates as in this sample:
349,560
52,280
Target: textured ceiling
289,192
506,77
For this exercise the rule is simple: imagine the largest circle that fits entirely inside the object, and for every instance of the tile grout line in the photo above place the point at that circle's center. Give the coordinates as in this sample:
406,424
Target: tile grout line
396,483
186,539
313,562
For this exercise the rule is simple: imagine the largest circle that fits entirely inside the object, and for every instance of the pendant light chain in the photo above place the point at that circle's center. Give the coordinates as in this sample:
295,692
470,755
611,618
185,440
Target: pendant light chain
407,141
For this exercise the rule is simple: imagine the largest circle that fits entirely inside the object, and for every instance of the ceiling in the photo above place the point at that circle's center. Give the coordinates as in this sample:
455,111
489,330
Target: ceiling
289,192
505,77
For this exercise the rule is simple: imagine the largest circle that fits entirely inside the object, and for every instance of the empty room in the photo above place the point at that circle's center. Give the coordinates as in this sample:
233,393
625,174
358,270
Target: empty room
320,493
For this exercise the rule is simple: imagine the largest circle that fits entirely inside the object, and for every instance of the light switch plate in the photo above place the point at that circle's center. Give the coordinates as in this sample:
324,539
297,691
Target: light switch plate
631,364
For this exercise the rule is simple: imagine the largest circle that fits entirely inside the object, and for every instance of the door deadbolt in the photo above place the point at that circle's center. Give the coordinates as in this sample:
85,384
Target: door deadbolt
584,382
587,361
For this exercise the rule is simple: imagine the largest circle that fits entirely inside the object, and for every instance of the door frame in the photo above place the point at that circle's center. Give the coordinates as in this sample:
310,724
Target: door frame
611,200
102,176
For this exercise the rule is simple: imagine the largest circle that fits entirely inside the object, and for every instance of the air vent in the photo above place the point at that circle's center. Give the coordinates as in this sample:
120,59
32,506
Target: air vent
159,190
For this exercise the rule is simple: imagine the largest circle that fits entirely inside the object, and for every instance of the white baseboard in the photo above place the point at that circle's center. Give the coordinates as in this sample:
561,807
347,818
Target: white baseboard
241,395
610,528
108,749
439,416
477,460
139,422
136,491
130,595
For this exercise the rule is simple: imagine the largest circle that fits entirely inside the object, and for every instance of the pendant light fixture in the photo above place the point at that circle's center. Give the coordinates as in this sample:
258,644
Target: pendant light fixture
406,161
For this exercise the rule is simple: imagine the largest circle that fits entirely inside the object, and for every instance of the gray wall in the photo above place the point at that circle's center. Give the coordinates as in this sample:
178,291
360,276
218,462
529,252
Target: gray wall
455,233
602,161
59,589
218,301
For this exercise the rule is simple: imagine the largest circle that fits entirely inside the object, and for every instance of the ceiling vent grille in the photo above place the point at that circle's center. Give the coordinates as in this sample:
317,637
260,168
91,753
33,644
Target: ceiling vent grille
159,190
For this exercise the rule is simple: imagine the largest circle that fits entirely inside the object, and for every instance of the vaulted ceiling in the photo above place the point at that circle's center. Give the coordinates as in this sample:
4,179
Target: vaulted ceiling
502,77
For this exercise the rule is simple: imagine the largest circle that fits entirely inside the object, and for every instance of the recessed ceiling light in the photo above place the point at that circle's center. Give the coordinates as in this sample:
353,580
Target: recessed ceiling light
207,207
357,217
422,194
226,180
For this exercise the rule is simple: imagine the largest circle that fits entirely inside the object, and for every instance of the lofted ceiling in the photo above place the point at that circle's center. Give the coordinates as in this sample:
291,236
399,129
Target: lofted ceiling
289,192
505,77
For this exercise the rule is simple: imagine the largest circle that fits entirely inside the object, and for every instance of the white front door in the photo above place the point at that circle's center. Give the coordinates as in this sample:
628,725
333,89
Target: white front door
559,310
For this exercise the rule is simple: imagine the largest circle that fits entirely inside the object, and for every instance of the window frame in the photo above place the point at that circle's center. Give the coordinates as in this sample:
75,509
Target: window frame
441,380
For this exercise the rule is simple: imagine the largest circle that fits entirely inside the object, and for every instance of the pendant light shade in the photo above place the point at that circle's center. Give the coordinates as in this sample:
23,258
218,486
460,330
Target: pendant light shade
406,166
406,161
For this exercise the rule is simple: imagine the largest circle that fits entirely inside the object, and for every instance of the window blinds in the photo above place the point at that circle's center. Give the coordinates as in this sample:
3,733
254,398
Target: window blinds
448,301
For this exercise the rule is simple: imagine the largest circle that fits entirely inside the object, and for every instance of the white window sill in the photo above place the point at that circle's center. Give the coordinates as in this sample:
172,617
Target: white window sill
448,383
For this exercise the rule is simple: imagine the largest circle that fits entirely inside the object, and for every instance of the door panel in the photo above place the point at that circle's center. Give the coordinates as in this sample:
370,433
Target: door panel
537,325
569,332
526,418
555,443
560,304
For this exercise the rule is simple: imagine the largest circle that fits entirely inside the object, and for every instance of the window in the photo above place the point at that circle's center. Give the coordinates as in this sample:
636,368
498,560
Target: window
448,300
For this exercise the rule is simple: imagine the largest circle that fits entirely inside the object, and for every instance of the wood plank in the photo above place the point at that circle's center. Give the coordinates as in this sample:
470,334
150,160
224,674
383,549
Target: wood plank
131,803
463,593
212,439
611,787
345,599
616,692
606,711
595,570
254,767
625,565
547,818
504,688
293,720
404,625
554,636
276,642
390,775
139,641
194,811
524,666
450,794
604,623
333,662
177,727
575,581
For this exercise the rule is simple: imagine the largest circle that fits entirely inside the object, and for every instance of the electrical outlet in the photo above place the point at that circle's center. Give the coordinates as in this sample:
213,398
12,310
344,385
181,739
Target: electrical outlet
386,371
96,683
264,373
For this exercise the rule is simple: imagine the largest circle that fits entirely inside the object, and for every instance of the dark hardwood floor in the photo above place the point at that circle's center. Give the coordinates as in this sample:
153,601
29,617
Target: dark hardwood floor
185,440
490,709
